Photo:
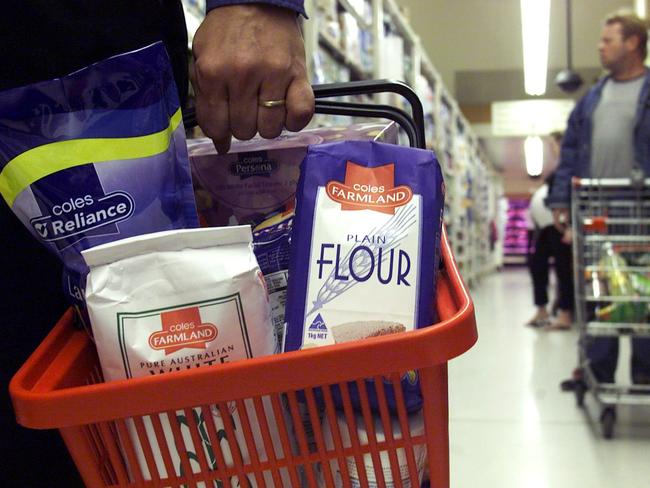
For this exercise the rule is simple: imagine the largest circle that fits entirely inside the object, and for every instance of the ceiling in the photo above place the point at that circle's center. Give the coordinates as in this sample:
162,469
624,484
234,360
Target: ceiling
476,47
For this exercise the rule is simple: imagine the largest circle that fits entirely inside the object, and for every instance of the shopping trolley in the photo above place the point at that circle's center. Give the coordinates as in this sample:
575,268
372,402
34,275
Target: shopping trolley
104,424
611,249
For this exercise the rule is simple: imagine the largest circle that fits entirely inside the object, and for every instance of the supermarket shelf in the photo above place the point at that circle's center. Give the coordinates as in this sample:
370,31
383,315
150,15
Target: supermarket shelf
194,12
358,16
399,21
336,51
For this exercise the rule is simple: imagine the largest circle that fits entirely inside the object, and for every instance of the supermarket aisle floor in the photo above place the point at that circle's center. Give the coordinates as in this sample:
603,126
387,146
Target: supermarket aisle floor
512,427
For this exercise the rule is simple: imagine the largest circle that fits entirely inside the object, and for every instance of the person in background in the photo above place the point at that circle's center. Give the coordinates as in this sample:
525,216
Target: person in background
608,136
548,241
245,55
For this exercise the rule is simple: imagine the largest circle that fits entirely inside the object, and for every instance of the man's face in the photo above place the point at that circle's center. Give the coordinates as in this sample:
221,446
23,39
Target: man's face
613,49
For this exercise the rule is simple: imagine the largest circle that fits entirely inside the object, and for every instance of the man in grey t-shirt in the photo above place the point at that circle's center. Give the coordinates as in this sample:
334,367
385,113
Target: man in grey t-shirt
608,136
612,141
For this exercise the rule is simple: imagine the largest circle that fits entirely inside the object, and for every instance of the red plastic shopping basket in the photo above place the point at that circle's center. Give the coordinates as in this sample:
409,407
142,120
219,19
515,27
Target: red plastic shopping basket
114,432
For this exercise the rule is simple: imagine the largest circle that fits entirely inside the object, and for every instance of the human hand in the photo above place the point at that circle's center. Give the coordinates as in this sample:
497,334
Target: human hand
567,236
561,218
245,54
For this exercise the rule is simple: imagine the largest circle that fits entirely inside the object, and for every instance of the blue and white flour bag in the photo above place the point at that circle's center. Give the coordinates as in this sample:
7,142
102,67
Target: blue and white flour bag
96,156
365,249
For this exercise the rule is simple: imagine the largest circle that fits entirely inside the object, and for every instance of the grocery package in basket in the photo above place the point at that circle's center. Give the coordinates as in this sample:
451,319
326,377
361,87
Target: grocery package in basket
258,176
96,156
178,300
365,248
621,283
349,469
271,241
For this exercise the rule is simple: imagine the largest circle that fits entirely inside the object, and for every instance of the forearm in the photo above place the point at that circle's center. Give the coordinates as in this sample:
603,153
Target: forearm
297,5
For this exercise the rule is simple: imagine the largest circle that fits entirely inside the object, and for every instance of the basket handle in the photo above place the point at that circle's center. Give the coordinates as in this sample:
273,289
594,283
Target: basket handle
413,124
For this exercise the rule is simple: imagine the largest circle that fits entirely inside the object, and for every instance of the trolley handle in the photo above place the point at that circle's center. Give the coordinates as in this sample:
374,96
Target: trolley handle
413,124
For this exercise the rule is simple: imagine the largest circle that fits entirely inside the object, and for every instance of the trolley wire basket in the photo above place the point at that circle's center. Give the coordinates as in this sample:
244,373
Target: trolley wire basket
611,226
247,420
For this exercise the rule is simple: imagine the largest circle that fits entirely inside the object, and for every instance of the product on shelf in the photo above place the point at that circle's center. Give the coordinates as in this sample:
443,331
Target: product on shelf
350,35
327,9
393,57
516,233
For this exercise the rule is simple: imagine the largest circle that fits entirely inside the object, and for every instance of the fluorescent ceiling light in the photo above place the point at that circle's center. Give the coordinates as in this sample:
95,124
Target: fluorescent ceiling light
534,151
640,8
535,18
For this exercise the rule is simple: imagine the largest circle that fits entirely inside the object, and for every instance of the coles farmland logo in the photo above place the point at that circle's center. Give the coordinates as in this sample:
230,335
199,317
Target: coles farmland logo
182,329
369,189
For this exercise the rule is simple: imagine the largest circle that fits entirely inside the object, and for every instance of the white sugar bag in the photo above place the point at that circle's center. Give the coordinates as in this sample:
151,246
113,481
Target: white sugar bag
178,300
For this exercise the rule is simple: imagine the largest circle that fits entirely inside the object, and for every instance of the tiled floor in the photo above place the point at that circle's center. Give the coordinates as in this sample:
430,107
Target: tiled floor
512,427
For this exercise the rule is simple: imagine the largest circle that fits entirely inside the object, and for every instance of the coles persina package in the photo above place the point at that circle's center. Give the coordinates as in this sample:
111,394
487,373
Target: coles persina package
257,177
96,156
365,247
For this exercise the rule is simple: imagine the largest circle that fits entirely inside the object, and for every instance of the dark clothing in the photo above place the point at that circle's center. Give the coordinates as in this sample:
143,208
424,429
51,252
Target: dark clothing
45,39
297,5
603,356
575,156
548,243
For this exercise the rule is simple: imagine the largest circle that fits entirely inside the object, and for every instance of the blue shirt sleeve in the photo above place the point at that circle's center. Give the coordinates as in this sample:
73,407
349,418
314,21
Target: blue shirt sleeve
560,192
297,5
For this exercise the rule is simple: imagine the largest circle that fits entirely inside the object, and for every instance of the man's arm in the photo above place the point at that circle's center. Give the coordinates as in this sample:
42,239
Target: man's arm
559,198
246,53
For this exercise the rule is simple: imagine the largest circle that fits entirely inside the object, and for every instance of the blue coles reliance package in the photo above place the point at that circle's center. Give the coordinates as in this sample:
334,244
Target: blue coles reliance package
96,156
364,252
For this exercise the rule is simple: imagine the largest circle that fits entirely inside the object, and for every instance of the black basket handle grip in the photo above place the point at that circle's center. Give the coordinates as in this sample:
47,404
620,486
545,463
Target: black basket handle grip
403,119
412,125
369,87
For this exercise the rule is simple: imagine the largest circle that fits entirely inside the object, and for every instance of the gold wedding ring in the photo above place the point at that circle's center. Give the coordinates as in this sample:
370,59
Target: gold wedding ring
272,103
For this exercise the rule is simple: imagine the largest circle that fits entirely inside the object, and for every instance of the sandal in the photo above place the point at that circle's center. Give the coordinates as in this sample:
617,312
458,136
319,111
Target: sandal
538,323
557,326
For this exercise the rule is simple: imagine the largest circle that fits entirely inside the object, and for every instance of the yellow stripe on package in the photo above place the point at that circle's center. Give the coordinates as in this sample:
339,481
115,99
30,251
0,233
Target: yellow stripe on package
97,156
